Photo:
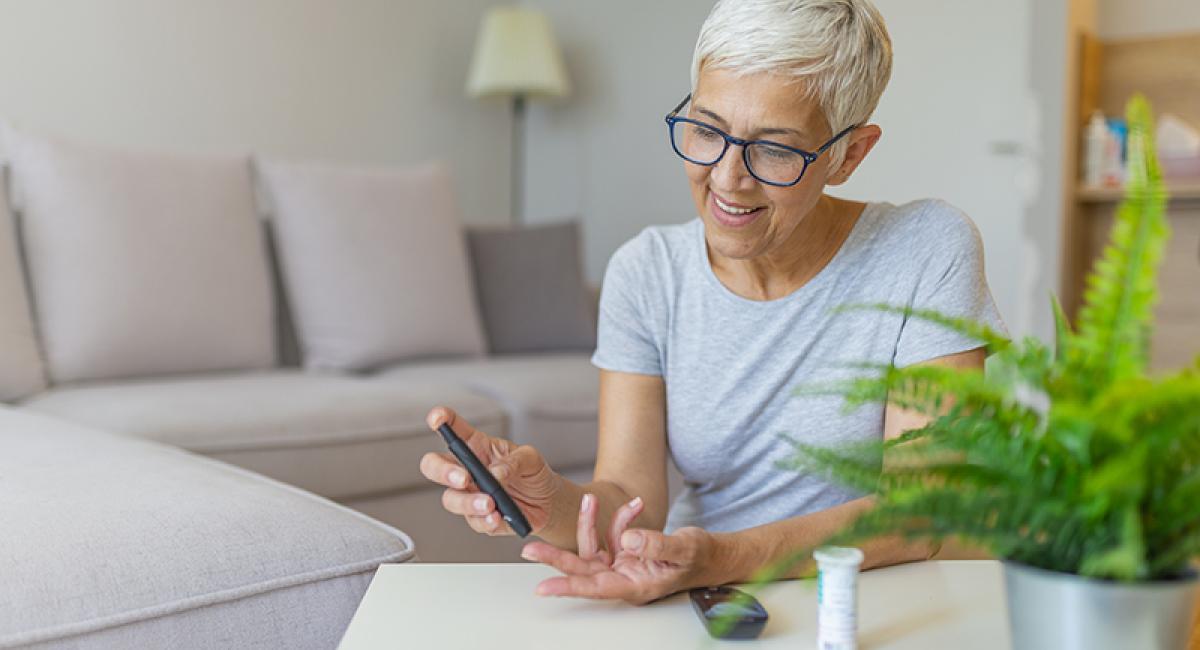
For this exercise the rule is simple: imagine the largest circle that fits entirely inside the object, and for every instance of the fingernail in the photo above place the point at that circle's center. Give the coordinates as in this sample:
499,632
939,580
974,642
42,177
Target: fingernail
458,477
500,472
481,504
637,501
631,540
587,502
527,554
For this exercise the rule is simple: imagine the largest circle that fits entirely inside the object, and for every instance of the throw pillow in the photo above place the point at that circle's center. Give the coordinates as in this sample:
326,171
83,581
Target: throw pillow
374,263
142,263
531,289
21,370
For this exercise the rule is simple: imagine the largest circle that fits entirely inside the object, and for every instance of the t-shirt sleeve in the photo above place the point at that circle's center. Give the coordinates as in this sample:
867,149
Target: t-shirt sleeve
952,281
625,340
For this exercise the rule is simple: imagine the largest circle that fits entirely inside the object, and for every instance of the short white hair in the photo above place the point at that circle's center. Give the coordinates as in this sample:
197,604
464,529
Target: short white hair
839,49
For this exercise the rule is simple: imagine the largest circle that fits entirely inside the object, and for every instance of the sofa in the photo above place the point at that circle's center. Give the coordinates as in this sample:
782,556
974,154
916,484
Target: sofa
112,541
214,374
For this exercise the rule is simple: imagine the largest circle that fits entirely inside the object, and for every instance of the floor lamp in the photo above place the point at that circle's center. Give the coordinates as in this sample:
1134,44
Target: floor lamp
517,57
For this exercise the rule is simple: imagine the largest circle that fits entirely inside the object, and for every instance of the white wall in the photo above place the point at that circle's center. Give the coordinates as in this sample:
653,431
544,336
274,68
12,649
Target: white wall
362,81
1138,18
974,115
603,154
1043,223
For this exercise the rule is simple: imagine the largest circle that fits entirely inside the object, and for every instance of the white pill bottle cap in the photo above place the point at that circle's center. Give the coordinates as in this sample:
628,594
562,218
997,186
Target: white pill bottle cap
838,557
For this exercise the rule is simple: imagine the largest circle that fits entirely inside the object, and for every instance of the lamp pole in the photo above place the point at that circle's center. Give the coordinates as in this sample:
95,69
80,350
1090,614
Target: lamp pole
518,159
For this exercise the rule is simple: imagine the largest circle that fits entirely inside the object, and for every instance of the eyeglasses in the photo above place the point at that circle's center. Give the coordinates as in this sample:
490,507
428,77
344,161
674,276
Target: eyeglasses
769,162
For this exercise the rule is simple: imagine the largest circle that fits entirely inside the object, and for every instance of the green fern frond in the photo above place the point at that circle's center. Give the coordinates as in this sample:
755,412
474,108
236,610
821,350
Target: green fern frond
1121,290
855,466
1127,559
926,389
995,341
1062,329
1066,458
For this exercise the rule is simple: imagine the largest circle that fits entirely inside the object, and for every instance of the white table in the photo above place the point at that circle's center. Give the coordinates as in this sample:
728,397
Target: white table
958,604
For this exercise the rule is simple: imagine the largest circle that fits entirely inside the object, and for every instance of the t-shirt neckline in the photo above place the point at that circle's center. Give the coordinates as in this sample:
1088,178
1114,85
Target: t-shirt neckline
827,271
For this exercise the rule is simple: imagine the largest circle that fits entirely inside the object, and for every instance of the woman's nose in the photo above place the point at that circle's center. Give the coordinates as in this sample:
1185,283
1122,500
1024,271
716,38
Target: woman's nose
730,171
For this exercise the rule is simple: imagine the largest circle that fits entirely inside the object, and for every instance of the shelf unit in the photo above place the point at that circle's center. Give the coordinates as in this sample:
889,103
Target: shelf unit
1178,192
1105,74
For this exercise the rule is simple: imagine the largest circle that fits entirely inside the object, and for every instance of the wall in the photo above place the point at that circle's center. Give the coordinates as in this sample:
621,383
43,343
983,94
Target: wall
1049,78
1139,18
602,154
365,81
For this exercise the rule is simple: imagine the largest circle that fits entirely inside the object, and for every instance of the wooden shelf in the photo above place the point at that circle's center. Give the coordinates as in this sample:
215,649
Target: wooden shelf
1178,191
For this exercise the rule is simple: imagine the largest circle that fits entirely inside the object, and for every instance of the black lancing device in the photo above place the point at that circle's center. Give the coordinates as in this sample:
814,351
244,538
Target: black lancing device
486,482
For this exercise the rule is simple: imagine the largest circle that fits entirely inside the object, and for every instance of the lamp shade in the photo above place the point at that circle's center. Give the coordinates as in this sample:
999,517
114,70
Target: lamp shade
516,55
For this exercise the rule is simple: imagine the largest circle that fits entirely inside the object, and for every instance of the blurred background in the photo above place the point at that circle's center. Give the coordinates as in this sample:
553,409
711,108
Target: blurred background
989,107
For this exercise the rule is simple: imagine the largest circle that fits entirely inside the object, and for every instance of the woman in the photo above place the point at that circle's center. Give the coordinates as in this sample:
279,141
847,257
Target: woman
706,327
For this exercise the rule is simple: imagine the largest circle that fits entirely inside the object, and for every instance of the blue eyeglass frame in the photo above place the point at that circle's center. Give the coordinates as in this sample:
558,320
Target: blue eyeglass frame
809,156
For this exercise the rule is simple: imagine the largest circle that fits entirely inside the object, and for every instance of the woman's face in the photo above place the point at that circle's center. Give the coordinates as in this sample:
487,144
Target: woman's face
755,106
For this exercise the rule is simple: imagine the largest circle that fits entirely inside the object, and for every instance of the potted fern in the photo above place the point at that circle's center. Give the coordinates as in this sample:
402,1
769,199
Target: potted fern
1069,463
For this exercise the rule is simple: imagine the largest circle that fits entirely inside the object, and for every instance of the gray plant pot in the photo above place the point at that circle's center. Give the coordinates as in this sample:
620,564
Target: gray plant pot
1048,610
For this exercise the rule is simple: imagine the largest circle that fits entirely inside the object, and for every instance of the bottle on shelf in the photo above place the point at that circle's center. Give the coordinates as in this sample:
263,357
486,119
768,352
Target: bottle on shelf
1095,147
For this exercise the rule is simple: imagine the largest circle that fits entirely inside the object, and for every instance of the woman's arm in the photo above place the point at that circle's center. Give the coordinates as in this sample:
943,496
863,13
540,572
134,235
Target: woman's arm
738,556
631,459
648,564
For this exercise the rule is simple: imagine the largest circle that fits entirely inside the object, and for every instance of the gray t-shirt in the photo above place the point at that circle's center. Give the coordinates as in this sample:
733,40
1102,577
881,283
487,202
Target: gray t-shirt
730,364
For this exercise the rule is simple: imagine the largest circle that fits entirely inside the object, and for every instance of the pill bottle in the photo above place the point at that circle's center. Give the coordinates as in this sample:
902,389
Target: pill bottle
837,597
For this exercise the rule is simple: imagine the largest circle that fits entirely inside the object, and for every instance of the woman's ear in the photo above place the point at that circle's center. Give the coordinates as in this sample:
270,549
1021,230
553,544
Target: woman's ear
860,142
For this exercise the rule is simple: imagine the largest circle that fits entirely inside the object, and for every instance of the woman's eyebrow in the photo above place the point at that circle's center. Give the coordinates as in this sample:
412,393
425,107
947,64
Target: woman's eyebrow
720,120
770,131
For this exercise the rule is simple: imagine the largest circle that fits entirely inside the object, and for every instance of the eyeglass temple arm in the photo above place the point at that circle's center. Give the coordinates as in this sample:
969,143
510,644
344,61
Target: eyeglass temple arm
825,147
675,111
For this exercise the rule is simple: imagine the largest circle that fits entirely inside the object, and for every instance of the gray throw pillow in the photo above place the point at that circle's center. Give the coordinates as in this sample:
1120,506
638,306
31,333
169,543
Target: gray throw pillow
531,291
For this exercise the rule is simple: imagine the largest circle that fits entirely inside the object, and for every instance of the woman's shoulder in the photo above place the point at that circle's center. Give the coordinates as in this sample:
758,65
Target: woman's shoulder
658,247
924,222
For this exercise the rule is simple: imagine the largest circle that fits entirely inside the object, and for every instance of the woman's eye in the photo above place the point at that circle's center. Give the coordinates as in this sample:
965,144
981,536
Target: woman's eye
778,154
707,134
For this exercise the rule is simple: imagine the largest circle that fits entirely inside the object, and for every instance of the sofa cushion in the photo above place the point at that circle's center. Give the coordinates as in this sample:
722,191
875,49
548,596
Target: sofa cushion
129,544
142,263
21,370
374,262
550,398
337,436
531,289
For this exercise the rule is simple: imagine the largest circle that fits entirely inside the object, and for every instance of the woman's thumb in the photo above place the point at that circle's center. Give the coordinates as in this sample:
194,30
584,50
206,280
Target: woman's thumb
650,544
500,471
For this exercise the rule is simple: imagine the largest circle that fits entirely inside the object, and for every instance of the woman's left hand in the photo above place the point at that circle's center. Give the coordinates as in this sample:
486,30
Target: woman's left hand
644,565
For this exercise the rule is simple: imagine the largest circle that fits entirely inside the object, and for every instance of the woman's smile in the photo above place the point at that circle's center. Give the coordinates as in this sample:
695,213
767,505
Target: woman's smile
731,214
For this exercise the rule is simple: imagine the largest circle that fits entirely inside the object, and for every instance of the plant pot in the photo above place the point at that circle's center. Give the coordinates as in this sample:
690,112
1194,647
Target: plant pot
1048,610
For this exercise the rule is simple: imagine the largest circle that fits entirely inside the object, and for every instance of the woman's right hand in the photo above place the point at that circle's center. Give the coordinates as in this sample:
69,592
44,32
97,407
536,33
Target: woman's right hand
520,469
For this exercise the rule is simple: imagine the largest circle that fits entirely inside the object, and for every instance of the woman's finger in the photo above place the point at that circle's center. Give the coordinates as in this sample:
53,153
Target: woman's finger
604,585
444,469
492,524
653,545
467,503
479,442
620,521
585,528
565,561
